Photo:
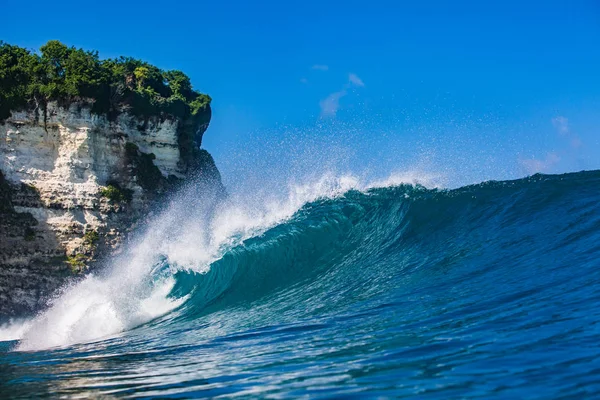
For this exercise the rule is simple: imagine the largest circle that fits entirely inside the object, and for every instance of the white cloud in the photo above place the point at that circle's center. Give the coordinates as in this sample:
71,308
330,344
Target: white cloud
568,150
331,104
533,165
355,80
320,67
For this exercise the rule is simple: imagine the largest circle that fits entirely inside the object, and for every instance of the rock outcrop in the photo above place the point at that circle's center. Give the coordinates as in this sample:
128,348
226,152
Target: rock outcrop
73,184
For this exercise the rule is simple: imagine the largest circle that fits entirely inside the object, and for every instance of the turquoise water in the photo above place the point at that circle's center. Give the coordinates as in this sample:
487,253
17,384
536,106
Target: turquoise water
488,291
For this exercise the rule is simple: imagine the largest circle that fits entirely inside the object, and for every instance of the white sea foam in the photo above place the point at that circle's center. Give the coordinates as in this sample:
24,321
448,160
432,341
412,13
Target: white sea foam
14,329
189,234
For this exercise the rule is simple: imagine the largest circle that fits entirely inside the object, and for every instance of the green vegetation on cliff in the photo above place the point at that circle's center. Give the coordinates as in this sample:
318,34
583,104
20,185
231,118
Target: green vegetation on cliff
115,193
91,237
66,74
76,263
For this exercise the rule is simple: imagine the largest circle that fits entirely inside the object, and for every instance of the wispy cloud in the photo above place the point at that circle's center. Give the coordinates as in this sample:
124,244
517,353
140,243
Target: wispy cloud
331,104
303,80
533,165
355,80
320,67
568,151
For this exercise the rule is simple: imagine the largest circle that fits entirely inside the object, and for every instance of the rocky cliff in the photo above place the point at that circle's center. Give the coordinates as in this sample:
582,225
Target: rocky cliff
74,183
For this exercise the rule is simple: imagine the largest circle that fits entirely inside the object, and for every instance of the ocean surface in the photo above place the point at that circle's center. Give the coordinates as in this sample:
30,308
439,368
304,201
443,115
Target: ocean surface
339,290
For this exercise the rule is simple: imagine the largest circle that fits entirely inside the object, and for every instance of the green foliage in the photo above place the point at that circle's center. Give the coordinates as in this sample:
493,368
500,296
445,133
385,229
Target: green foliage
16,69
76,262
66,74
90,237
116,193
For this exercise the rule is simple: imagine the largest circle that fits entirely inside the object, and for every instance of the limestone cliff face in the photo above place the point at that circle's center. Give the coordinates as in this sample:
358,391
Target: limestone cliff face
73,184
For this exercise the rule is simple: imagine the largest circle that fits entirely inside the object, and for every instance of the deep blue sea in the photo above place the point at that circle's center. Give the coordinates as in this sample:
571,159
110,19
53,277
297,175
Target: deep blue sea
393,290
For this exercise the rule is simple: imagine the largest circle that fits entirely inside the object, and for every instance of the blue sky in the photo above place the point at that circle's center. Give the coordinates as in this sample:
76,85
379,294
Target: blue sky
468,90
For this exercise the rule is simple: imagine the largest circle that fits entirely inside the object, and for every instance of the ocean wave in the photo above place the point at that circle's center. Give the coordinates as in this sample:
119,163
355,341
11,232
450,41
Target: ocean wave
199,258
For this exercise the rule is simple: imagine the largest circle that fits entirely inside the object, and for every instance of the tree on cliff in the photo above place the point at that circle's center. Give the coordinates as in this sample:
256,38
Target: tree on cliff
66,74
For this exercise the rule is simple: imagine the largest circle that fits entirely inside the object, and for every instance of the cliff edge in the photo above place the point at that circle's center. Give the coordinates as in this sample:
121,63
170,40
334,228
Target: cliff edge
77,172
